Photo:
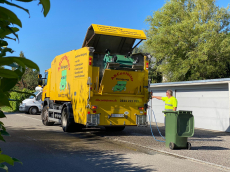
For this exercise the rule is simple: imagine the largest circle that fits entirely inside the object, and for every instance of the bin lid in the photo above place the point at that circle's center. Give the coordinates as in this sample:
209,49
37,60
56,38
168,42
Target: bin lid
116,39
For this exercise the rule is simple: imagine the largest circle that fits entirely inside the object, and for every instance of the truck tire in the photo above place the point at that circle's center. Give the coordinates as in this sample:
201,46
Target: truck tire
114,129
33,110
44,115
68,124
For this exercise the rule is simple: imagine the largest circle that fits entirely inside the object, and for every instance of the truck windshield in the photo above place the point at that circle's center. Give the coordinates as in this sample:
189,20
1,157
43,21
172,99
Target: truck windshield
31,97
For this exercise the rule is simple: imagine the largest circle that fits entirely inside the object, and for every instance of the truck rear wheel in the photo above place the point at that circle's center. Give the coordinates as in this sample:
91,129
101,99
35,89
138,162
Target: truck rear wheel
68,124
114,129
45,115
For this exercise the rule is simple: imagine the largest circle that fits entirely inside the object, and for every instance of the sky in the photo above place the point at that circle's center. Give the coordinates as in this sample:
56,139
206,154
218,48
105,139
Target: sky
42,38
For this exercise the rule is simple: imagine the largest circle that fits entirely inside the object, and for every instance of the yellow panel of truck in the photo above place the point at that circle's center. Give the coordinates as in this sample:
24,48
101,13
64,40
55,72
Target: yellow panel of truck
122,82
61,77
118,31
95,79
108,105
80,89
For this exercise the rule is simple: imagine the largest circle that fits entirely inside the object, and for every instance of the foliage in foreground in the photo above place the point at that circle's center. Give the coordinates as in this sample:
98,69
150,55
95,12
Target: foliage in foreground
16,98
9,78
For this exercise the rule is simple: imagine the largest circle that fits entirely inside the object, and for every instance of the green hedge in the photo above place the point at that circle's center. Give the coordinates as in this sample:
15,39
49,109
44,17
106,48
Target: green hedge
20,97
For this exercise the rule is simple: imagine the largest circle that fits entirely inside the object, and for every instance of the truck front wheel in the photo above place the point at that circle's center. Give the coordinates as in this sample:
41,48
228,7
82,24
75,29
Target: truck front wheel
68,124
45,115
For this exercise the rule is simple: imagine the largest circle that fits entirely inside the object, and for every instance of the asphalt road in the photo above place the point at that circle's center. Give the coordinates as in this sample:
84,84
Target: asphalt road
49,149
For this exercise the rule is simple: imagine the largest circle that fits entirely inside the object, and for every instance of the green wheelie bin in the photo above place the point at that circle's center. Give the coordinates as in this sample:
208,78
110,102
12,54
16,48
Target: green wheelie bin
179,125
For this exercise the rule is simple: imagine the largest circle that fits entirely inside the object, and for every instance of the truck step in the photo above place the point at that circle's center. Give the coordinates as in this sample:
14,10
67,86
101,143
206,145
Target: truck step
54,120
55,110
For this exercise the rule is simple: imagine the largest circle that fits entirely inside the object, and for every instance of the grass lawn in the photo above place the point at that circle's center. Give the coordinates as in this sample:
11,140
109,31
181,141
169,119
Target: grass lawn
6,109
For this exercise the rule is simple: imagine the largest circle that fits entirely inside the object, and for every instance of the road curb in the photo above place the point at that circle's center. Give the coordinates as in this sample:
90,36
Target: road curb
172,154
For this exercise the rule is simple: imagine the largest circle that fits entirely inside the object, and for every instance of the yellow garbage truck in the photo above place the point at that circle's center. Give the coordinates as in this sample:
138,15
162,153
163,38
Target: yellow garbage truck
101,84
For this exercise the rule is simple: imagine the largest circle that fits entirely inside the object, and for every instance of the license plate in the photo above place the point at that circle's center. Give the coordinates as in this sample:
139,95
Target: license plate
117,115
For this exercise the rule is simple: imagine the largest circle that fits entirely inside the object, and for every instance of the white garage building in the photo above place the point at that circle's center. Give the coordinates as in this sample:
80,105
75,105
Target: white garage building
208,99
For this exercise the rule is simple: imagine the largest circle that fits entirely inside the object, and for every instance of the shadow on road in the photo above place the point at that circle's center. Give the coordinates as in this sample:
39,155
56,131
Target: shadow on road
209,148
56,151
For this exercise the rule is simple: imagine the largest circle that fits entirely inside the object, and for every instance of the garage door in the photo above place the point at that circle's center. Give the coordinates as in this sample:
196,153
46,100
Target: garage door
210,106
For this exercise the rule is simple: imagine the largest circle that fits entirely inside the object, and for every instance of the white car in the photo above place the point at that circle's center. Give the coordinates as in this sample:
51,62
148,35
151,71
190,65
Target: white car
32,105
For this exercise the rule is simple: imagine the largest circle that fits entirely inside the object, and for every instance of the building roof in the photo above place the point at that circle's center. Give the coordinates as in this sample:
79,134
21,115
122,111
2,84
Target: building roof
196,82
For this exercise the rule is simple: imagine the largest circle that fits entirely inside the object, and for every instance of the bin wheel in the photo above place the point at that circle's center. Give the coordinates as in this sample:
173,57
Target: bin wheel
171,145
189,145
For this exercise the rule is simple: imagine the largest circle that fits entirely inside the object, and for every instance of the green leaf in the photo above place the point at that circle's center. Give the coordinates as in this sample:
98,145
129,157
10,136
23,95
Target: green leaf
20,71
4,99
4,133
29,63
13,65
2,115
1,123
3,52
11,60
15,5
7,159
5,31
8,83
46,6
10,38
4,167
16,160
1,138
9,16
2,127
3,43
21,61
12,31
8,73
18,61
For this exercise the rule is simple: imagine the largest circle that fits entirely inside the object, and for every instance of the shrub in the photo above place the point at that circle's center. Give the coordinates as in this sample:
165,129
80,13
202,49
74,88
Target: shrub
19,97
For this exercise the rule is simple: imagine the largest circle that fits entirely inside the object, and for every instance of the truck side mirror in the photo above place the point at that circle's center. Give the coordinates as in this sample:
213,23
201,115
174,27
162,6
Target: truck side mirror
40,81
39,75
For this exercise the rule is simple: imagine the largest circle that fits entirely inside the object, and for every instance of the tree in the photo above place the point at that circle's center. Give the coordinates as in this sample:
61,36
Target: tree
189,39
9,78
29,79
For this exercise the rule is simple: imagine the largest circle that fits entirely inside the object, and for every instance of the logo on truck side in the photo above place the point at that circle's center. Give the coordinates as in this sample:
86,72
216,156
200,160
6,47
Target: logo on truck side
62,59
64,67
120,86
63,82
122,73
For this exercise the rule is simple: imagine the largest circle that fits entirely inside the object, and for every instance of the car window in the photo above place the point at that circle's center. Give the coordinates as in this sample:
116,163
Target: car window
31,97
39,96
